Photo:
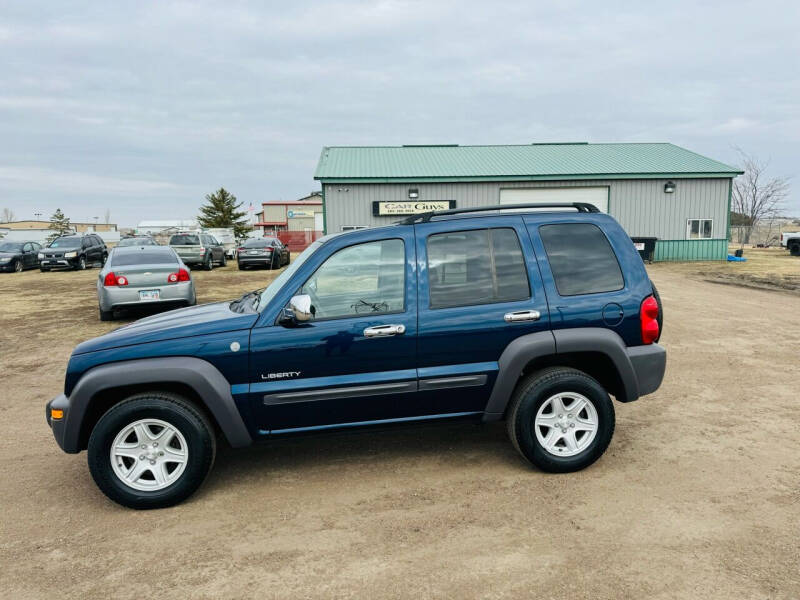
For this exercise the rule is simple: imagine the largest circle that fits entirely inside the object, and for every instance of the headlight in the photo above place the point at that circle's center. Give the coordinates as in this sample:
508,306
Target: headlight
70,255
4,260
40,255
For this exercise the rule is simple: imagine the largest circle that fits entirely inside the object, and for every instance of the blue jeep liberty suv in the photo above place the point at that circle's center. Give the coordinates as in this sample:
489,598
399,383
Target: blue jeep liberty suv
531,314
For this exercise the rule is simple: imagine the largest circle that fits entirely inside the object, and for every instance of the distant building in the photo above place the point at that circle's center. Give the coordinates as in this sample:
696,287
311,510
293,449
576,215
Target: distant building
661,191
76,226
304,214
165,226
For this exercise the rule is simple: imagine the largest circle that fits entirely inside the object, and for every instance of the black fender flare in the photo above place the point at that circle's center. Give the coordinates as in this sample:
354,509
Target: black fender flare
200,375
527,348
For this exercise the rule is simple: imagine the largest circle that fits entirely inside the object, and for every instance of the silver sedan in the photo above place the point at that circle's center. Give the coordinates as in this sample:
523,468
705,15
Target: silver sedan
142,276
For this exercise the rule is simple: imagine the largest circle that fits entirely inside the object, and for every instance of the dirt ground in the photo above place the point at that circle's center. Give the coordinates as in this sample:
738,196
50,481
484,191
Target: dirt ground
698,495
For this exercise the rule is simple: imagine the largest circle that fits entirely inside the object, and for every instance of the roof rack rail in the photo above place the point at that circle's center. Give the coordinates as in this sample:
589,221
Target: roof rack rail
583,207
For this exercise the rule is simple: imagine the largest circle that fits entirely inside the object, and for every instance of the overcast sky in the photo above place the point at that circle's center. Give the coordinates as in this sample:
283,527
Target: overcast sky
144,107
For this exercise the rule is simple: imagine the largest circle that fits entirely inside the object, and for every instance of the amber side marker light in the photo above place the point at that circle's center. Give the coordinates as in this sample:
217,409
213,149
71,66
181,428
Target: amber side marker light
56,414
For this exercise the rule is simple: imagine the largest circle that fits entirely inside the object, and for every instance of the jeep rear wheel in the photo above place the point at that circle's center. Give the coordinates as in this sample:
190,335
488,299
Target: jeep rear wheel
560,419
151,450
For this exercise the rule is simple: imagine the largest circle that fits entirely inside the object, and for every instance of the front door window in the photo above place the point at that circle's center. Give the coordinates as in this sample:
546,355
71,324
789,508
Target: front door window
366,278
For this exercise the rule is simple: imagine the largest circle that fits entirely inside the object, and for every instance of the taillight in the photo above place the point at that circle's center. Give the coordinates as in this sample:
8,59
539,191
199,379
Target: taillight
181,275
648,315
111,279
240,250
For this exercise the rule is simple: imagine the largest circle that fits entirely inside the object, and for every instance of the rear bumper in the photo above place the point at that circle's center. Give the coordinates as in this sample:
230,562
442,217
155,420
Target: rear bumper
649,364
59,426
113,297
254,260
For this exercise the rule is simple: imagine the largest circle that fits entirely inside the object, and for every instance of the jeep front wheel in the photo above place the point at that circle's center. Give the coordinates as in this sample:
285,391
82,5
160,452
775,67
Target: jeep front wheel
151,450
561,419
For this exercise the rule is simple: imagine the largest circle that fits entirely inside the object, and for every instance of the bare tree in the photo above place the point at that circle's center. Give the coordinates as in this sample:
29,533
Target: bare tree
7,216
756,197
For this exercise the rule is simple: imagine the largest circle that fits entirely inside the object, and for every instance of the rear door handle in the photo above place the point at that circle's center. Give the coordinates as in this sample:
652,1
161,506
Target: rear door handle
384,330
522,315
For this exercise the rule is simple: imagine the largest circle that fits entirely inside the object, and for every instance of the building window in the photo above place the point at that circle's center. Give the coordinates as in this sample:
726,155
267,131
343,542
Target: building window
353,227
581,259
699,229
482,266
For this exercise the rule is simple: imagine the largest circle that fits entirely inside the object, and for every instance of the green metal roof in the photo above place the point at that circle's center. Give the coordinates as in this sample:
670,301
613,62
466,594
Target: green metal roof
534,161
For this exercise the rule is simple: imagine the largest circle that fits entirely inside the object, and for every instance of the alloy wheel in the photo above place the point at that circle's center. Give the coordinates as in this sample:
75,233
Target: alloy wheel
149,455
566,424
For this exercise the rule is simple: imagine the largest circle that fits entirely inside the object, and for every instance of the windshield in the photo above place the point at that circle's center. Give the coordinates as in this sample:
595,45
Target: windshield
184,240
144,257
274,287
136,242
10,247
67,242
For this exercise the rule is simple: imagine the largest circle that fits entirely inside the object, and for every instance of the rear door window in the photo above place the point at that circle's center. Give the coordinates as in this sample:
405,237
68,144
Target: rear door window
581,259
480,266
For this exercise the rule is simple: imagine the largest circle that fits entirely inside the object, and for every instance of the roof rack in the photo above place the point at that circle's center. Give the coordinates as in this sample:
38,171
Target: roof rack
582,207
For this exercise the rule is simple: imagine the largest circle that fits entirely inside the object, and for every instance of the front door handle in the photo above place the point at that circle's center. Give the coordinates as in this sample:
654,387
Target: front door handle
522,315
384,330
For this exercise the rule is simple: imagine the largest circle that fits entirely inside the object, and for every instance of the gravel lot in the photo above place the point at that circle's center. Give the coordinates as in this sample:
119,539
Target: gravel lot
697,496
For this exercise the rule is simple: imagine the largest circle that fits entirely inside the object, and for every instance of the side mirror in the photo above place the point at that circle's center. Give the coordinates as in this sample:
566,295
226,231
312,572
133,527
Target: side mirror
301,307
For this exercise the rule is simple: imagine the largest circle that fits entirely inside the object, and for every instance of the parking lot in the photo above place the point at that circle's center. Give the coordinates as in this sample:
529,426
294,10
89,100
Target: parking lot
697,496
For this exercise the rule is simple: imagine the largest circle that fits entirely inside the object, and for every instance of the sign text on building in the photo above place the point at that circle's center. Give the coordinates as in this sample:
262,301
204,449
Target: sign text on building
412,207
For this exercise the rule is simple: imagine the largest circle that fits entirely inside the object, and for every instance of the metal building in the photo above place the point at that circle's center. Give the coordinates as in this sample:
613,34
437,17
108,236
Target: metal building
653,190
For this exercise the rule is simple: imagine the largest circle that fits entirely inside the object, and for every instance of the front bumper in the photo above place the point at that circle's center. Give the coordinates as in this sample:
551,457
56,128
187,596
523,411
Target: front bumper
649,364
59,262
59,426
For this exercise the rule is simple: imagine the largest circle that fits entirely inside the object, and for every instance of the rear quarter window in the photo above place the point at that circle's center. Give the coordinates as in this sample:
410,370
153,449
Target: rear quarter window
581,259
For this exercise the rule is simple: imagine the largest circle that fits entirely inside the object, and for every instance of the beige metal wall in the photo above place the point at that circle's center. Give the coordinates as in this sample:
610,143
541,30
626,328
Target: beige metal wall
640,205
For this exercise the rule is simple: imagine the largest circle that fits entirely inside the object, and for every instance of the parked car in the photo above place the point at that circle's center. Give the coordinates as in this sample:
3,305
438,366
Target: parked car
18,256
73,251
137,240
226,237
791,241
143,276
262,252
537,318
198,249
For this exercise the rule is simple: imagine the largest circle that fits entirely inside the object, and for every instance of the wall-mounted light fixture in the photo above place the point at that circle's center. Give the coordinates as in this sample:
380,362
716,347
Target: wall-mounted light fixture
669,187
413,194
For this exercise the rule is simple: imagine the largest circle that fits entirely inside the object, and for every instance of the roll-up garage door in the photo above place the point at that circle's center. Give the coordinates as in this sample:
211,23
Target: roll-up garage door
593,195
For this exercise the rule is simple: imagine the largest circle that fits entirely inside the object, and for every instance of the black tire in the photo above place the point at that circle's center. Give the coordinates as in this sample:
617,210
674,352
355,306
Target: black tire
241,266
18,266
794,249
288,257
533,391
106,315
224,260
208,265
660,317
103,259
177,412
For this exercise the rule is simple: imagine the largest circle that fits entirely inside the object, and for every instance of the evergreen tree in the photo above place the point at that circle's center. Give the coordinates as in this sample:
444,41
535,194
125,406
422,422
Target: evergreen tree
221,210
59,224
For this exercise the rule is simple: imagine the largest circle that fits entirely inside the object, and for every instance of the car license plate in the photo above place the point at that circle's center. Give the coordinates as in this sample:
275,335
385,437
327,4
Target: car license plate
149,295
253,252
